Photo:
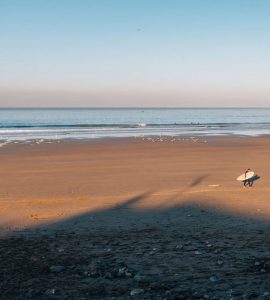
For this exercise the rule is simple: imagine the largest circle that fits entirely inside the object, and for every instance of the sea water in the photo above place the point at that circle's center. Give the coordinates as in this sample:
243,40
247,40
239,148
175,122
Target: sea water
91,123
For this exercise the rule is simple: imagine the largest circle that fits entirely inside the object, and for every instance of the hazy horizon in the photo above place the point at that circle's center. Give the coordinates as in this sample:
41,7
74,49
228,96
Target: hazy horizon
135,107
114,53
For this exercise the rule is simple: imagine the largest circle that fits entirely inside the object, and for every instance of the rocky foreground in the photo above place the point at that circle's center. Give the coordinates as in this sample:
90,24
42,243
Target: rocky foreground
149,263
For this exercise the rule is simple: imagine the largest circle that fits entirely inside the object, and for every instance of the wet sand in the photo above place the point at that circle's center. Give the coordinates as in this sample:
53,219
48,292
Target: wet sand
134,218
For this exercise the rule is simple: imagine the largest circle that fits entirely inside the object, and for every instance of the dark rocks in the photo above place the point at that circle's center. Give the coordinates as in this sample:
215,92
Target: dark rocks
158,286
141,279
120,290
57,269
129,272
50,292
213,278
97,290
136,292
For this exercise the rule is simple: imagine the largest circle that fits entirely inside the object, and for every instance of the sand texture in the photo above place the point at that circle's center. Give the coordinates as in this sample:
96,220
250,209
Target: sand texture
135,219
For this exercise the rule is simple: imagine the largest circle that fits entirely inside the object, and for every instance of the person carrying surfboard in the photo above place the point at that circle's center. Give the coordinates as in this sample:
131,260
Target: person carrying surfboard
247,181
248,177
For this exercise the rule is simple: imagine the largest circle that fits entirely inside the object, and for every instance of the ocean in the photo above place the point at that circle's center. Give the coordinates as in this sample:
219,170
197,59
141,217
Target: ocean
91,123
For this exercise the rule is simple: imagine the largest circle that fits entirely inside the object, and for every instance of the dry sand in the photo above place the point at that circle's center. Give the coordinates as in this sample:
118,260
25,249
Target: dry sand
133,218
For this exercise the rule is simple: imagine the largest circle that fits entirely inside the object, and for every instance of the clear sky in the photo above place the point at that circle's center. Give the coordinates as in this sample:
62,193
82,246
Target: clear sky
134,53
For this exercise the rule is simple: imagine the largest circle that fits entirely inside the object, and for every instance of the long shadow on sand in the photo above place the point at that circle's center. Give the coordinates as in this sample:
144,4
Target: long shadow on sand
184,251
254,179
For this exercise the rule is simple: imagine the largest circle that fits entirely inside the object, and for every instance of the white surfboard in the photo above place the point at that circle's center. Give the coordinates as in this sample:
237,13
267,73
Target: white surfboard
245,176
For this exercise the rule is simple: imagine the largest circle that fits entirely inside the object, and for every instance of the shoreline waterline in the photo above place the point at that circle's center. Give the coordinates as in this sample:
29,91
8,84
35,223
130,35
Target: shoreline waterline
26,125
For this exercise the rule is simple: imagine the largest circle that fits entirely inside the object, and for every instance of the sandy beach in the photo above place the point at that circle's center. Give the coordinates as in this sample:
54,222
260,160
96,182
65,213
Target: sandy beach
145,218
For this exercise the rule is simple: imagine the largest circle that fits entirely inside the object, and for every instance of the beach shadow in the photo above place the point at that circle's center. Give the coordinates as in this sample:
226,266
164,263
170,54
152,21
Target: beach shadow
132,201
254,178
198,180
191,249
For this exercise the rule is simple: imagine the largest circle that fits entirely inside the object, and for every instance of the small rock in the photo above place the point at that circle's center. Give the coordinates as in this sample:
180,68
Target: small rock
50,292
220,262
213,278
177,247
136,292
57,269
122,271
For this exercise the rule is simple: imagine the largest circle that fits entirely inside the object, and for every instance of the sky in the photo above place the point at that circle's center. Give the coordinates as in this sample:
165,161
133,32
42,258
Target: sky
112,53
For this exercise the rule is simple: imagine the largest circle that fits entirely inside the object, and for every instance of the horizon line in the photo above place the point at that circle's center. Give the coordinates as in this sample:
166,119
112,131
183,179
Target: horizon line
136,107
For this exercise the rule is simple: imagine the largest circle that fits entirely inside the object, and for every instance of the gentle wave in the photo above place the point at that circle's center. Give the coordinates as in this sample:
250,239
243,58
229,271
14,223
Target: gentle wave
25,125
6,126
77,125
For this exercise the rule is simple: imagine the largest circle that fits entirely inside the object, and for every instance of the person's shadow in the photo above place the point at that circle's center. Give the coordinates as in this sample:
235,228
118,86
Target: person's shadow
253,179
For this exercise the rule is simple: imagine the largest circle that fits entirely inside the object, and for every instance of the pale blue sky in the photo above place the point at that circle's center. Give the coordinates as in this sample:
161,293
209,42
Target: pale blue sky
134,53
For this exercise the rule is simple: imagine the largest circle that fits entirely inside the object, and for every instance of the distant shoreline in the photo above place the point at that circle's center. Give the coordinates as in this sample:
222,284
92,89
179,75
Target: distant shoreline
134,107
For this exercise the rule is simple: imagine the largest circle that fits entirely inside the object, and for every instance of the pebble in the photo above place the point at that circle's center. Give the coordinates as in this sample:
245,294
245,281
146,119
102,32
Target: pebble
50,292
179,247
122,271
213,278
57,269
136,292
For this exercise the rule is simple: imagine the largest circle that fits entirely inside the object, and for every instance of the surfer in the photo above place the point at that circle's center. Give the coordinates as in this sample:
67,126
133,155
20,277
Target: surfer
248,178
248,181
